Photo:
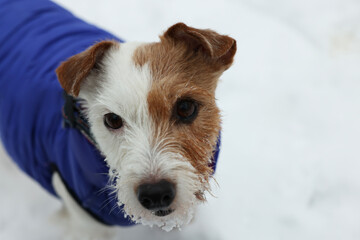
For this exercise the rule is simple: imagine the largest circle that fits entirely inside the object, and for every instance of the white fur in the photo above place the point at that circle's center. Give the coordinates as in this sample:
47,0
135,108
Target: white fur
79,225
133,152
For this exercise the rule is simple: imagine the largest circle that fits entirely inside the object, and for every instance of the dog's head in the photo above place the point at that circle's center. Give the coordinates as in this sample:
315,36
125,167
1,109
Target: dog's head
152,111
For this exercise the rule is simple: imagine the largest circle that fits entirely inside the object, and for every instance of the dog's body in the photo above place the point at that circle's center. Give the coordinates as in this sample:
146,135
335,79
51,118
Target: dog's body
151,108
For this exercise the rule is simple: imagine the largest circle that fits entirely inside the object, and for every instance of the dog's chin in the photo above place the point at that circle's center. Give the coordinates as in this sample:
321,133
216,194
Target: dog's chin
176,216
163,212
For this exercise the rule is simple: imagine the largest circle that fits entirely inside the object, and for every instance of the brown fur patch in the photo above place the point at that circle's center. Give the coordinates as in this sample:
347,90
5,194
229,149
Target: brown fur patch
74,70
187,64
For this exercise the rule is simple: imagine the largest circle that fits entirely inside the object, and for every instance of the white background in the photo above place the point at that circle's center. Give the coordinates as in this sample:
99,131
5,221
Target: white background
289,165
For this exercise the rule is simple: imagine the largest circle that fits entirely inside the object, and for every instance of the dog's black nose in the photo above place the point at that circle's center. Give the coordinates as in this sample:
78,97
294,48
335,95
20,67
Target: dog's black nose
156,195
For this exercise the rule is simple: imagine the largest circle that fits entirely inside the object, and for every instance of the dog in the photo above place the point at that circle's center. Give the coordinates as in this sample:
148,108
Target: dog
136,136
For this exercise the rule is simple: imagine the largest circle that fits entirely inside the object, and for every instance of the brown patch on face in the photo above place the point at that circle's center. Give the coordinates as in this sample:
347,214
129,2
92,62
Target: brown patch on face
186,64
196,140
74,70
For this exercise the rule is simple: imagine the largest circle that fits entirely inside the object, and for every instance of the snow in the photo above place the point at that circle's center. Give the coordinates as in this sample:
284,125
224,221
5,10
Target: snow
289,162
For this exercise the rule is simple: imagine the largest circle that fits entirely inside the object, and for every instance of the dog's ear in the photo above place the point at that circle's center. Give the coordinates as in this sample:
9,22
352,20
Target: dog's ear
217,49
74,70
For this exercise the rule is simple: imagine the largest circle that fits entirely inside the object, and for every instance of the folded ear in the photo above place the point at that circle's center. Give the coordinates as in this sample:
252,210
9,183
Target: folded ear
74,70
220,49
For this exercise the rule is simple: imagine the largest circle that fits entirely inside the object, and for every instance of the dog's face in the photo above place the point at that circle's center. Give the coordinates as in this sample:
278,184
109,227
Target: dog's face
152,111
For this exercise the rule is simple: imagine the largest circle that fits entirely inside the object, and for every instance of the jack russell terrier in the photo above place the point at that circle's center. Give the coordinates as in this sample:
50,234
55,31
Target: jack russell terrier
123,133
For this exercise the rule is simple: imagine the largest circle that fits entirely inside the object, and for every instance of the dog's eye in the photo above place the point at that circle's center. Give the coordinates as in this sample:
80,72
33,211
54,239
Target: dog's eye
186,110
111,120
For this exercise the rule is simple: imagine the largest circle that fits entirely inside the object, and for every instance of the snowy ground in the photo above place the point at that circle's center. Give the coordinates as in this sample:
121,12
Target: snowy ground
290,161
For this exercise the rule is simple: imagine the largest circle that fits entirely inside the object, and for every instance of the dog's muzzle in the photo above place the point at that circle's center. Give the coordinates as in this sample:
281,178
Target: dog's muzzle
157,197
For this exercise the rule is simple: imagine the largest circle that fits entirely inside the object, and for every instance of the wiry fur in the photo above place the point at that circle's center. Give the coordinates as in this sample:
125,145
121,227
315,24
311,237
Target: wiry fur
142,83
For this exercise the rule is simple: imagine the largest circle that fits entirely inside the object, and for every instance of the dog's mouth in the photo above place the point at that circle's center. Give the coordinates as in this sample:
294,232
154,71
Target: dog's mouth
163,212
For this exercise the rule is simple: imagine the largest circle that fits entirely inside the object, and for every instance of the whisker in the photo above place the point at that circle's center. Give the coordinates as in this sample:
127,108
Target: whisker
107,201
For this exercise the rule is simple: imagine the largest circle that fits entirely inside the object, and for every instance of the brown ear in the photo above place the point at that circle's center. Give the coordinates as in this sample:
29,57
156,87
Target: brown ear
219,48
74,70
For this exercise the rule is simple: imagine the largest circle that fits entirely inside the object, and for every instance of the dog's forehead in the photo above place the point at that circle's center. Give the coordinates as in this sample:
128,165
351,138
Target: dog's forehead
126,85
